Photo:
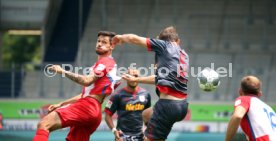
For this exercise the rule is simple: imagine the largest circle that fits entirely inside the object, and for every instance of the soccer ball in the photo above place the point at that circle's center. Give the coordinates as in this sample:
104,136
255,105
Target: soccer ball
208,80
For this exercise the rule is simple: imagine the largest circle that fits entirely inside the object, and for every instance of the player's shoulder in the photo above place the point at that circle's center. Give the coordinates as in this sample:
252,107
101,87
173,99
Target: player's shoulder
242,99
120,92
143,90
183,51
159,41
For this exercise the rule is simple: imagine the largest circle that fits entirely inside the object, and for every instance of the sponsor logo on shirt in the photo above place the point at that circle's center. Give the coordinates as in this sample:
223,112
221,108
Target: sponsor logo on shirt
134,107
100,67
142,98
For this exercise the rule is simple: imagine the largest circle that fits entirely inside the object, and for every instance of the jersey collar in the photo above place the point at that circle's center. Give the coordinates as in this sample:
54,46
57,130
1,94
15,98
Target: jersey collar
110,56
134,92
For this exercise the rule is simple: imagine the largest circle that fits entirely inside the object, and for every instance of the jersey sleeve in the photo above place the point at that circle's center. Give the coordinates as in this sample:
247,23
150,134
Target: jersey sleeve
156,45
242,101
112,104
149,101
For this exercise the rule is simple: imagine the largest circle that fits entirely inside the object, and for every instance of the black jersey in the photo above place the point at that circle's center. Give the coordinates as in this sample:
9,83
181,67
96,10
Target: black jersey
172,65
129,107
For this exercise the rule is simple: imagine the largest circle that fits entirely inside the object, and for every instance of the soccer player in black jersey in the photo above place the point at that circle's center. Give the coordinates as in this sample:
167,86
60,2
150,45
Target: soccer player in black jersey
171,80
129,102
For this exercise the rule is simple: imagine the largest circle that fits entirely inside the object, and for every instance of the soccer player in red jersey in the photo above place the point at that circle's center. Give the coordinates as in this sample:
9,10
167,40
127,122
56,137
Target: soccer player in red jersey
82,113
256,118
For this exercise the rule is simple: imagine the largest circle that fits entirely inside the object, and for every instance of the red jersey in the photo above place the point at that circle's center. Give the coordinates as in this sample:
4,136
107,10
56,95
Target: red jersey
105,69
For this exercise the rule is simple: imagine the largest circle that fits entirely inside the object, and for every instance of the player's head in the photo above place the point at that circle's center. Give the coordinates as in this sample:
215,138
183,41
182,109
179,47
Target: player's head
169,34
104,45
250,85
134,73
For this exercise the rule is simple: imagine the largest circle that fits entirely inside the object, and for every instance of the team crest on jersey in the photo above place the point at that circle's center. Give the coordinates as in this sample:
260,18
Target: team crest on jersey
238,102
100,67
109,104
142,98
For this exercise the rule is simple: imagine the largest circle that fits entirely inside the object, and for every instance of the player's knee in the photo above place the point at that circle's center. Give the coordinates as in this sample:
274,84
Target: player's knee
42,125
46,123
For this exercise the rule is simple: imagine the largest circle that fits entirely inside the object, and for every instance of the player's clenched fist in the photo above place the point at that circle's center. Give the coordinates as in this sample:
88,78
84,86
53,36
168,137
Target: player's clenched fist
116,40
56,68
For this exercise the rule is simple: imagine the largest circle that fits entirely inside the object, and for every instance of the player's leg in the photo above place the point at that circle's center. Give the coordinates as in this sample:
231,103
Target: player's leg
78,133
151,134
83,117
146,114
49,123
82,133
165,114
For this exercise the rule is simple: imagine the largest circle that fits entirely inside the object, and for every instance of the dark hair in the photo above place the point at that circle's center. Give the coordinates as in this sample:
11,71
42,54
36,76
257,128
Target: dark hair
250,85
168,34
107,33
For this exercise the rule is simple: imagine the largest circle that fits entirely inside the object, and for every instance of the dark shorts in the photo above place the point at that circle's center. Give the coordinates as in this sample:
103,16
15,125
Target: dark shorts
132,137
165,114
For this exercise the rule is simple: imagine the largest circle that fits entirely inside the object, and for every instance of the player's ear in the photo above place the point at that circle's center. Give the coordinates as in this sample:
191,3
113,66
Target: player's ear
112,46
240,92
178,41
260,94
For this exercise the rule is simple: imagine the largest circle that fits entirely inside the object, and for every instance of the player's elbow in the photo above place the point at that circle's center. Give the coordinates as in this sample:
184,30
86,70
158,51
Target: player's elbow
86,83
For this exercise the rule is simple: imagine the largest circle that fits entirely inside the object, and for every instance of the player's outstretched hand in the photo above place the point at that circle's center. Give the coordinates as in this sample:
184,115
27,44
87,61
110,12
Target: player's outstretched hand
53,107
129,78
120,139
116,40
118,134
56,68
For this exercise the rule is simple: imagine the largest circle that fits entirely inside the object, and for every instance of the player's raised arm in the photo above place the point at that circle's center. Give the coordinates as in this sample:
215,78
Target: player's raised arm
84,80
142,79
234,123
130,39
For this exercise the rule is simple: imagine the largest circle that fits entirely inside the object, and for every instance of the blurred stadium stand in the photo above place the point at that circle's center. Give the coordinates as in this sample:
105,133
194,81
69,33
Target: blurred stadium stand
22,14
10,83
221,32
18,14
68,28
